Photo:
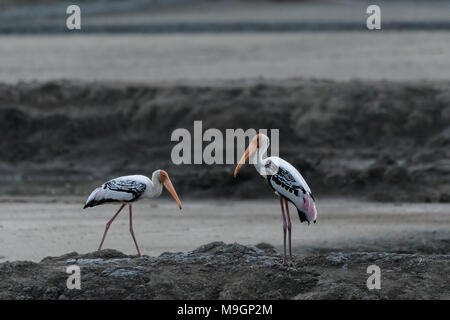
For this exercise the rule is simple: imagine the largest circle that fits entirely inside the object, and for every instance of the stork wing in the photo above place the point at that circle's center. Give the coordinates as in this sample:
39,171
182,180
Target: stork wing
116,190
289,183
286,180
126,185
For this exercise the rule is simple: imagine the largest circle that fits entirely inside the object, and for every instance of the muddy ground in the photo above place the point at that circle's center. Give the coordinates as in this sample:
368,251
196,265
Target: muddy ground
379,140
367,139
409,242
228,271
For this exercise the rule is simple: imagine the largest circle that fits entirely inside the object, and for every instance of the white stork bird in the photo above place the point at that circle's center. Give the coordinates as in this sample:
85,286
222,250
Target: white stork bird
129,189
286,182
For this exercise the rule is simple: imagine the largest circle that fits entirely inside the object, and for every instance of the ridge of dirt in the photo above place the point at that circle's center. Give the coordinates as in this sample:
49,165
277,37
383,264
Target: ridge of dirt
228,271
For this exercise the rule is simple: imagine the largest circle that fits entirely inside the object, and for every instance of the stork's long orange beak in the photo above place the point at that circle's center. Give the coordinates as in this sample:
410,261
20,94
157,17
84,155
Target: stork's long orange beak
168,185
252,147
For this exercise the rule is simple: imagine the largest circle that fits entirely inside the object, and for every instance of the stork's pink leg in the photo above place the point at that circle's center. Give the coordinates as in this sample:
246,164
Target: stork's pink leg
289,225
284,230
108,225
132,232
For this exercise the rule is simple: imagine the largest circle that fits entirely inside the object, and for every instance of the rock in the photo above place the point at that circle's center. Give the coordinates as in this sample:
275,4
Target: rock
337,258
228,271
266,247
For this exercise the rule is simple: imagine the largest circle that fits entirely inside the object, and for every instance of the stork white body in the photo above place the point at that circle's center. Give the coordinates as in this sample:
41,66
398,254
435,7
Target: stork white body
107,193
285,181
128,189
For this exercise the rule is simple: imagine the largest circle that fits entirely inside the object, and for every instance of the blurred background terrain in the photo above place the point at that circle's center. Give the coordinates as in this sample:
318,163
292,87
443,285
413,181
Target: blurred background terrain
379,140
363,115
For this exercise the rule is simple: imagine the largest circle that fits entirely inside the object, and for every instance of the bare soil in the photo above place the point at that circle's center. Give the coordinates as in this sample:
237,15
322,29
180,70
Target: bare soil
379,140
228,271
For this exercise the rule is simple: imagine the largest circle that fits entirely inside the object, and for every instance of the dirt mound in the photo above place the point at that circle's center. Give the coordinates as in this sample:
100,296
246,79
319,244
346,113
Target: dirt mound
227,271
381,140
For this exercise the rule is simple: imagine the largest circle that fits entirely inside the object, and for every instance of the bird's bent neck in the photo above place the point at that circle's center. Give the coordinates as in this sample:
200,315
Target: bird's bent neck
259,159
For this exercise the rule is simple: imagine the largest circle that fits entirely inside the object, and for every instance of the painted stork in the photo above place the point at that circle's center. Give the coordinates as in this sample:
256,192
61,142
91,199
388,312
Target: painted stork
128,189
287,183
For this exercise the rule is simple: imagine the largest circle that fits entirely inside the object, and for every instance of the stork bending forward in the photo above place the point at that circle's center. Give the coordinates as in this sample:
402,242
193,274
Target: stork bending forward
129,189
285,181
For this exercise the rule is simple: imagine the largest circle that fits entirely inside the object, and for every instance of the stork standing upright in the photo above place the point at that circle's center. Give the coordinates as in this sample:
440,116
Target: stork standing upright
128,189
286,182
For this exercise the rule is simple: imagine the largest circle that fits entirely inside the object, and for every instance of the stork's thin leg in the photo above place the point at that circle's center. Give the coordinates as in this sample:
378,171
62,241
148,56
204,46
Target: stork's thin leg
108,225
289,225
132,232
284,230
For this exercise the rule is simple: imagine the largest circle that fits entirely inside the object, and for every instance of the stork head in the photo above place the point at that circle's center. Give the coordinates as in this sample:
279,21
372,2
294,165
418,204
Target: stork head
165,180
309,208
259,142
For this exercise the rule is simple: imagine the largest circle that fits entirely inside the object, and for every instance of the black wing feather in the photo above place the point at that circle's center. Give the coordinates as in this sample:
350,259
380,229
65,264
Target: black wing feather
129,186
285,179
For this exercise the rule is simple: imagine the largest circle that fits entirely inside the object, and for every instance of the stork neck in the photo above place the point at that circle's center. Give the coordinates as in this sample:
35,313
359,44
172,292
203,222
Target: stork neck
156,186
259,158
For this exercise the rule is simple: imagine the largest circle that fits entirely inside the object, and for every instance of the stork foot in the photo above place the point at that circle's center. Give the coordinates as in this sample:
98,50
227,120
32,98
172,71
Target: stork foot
288,262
